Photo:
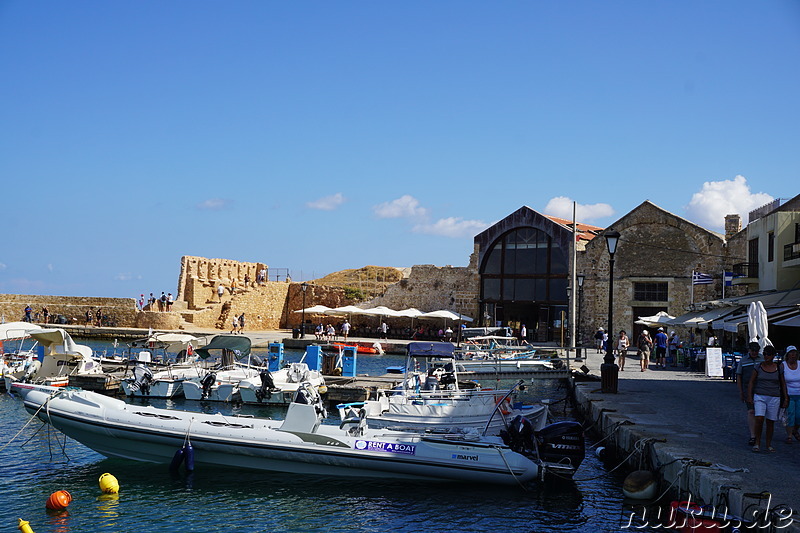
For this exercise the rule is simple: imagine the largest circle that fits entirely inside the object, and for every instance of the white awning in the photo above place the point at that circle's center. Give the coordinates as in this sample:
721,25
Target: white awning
701,318
732,323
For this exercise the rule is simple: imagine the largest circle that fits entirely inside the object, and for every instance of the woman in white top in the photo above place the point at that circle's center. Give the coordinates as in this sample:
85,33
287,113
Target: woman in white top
622,348
791,373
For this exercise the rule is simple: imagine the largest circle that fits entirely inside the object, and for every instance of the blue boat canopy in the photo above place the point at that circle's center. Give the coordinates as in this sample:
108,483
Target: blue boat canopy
430,349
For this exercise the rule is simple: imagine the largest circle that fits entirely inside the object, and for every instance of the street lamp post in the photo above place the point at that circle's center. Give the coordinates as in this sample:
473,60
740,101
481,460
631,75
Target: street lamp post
609,372
580,279
304,288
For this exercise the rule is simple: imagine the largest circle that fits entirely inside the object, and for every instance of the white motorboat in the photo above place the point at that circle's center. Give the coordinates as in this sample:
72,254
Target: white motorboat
168,382
16,356
280,386
278,382
221,384
432,397
62,357
301,444
493,353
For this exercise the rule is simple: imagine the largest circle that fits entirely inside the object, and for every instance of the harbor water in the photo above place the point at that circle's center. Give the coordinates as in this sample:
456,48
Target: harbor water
37,461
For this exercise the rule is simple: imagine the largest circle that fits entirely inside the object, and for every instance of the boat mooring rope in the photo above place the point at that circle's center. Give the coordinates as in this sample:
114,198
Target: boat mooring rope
33,416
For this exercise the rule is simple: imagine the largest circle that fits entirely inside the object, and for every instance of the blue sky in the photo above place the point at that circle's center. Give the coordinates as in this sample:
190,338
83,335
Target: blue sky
319,136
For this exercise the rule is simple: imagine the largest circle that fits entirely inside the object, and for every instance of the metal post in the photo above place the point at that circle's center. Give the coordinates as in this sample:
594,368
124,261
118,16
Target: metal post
609,371
303,287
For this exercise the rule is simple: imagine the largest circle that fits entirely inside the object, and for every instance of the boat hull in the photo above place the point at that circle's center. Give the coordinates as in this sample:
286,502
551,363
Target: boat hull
116,429
158,389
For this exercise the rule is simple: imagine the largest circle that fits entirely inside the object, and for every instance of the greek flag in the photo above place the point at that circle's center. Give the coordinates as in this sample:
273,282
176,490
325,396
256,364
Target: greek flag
728,277
699,278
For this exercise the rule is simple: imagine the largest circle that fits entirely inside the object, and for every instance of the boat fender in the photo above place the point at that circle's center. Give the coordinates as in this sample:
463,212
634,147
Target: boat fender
600,452
188,454
177,459
59,500
24,526
108,484
640,485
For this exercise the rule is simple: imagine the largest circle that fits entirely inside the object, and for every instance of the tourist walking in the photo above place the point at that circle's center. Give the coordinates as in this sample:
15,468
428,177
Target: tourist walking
674,344
28,311
241,324
46,314
744,371
234,324
791,373
385,329
644,345
598,339
661,342
767,393
622,349
345,329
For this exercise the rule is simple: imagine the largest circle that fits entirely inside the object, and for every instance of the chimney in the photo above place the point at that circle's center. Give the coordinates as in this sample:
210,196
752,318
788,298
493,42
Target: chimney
733,225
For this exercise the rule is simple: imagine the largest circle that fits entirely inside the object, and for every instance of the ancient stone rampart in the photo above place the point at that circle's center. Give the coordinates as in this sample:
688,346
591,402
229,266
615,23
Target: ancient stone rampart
120,312
200,277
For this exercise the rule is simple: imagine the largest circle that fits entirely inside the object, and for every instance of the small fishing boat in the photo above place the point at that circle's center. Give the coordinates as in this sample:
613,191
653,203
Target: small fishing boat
431,396
302,444
164,382
494,353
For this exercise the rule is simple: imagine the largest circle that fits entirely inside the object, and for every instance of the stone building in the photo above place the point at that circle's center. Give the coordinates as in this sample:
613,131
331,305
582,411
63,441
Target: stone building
657,253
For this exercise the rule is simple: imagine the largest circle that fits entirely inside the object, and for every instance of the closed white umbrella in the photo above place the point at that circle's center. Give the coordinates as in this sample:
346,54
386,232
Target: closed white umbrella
757,324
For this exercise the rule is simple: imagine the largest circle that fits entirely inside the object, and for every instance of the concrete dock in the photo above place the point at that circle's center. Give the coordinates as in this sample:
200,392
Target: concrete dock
695,428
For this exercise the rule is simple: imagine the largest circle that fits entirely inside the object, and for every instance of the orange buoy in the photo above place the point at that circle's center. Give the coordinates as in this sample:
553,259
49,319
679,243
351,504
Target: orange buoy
60,499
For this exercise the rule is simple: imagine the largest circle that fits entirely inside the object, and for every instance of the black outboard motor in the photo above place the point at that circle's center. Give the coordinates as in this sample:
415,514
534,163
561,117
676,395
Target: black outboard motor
562,443
519,436
142,378
267,385
207,382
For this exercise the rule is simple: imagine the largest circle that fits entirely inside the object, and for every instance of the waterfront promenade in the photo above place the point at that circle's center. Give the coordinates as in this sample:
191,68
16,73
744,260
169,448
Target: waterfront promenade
699,423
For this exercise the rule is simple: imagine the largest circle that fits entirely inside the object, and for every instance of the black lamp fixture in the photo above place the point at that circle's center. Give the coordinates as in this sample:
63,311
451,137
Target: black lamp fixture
580,278
304,288
609,372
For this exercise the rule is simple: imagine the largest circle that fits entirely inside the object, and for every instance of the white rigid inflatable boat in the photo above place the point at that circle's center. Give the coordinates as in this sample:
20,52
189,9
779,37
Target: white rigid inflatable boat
301,444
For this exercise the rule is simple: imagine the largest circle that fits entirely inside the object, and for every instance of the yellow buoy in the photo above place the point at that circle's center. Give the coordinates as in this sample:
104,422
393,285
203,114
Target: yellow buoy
24,526
109,484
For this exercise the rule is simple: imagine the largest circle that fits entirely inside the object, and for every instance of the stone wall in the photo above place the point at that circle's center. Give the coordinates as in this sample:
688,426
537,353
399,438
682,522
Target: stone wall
655,246
121,311
430,288
200,277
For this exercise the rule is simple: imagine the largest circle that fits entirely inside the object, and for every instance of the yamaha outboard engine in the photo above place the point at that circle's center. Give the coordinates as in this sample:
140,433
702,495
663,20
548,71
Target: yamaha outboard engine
142,378
207,382
562,446
267,385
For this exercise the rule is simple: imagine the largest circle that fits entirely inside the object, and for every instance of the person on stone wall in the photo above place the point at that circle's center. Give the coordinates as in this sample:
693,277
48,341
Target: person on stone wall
28,311
98,317
88,317
170,301
220,292
234,285
152,302
46,314
162,302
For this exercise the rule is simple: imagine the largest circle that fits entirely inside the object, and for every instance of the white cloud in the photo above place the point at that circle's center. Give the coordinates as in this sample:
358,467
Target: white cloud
214,204
452,227
328,203
404,207
2,266
719,198
561,206
50,267
123,276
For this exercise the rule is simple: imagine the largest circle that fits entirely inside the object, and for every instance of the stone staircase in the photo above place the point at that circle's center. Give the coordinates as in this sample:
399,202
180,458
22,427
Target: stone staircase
263,305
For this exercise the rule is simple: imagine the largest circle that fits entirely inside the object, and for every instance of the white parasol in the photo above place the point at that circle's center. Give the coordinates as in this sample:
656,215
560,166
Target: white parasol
757,325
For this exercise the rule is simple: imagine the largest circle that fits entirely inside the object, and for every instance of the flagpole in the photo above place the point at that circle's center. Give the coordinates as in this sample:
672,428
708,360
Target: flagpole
692,297
723,283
